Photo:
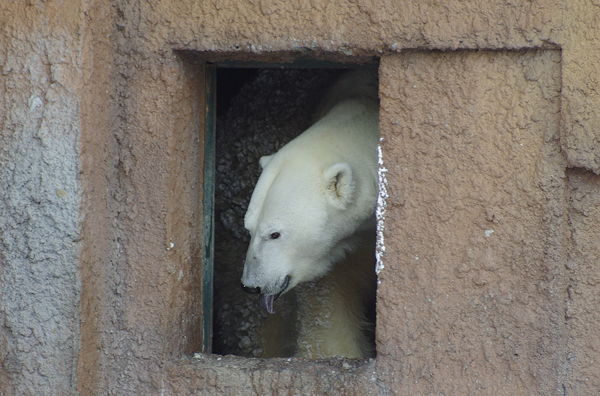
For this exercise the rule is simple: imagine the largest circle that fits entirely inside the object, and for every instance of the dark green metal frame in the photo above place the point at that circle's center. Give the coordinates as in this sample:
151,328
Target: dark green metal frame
208,223
296,64
209,170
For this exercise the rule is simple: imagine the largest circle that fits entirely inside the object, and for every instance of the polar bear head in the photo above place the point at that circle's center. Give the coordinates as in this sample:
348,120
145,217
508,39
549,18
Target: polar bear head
298,222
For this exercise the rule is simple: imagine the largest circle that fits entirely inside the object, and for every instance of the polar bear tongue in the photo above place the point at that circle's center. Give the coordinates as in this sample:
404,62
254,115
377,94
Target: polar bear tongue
267,302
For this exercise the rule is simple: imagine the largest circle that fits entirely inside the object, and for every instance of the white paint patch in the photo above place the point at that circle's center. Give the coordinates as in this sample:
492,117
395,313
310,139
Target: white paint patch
380,211
35,102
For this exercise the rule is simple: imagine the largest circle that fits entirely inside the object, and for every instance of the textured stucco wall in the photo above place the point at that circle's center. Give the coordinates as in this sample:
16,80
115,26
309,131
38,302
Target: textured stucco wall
101,162
141,173
470,299
580,39
583,283
40,123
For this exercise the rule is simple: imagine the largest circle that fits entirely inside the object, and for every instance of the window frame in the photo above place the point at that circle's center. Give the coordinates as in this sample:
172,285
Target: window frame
210,161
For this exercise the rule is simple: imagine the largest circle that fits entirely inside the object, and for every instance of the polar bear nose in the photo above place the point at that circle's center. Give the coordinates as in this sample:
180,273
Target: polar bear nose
251,290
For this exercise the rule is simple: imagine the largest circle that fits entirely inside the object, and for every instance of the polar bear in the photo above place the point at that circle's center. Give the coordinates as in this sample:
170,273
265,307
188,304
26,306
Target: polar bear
311,220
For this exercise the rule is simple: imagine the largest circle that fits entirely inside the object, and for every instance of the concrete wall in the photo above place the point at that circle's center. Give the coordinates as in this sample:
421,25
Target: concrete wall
490,140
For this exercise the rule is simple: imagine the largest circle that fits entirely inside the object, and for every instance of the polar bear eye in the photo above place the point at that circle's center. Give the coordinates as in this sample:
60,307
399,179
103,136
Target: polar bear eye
275,235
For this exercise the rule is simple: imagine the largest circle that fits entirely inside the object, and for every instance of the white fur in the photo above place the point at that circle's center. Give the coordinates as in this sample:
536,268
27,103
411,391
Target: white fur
313,204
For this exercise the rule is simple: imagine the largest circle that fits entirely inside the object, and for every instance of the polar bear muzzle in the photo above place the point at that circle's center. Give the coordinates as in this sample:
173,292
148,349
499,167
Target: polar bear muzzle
251,290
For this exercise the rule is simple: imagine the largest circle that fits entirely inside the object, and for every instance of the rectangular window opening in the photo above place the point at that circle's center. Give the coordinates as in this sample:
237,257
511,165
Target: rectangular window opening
254,109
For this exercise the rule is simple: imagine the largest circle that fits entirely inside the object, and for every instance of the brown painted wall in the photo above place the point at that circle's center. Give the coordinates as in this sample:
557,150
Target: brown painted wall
143,270
470,299
582,280
490,140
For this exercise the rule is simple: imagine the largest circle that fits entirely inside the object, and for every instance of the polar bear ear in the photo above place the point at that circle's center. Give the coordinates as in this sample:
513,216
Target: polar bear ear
339,185
263,161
